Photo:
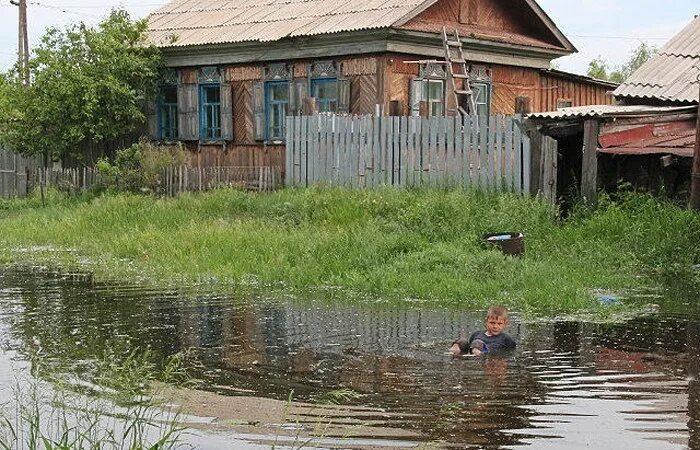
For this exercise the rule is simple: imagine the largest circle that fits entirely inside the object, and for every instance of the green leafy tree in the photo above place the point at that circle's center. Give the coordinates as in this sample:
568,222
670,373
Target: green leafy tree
87,91
598,68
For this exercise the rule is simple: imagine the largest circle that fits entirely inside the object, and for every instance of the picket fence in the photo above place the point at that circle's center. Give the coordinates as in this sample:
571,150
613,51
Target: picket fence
490,153
173,180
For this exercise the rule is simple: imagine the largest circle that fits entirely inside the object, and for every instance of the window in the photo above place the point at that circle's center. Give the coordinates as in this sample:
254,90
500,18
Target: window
482,97
325,90
434,96
167,113
276,101
564,104
210,111
429,87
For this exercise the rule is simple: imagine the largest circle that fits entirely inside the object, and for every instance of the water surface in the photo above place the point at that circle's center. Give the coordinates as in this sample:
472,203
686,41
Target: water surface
569,384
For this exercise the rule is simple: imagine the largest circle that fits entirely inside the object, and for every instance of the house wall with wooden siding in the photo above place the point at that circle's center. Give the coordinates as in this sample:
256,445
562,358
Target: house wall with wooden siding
556,88
377,79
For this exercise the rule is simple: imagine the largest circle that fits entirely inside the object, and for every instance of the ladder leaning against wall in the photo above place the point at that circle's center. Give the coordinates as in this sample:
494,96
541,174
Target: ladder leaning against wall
457,70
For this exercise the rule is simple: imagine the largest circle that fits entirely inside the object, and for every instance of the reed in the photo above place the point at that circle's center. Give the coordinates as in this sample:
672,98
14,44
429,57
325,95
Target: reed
377,245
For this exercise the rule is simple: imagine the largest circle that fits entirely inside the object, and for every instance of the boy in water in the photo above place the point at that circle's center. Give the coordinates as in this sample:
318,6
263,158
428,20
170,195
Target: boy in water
493,339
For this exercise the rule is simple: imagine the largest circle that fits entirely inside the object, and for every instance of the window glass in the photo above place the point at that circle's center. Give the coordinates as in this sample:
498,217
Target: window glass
482,98
210,112
277,98
435,97
167,113
325,91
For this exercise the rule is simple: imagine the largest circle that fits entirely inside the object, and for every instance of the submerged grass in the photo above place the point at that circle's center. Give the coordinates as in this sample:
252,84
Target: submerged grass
390,244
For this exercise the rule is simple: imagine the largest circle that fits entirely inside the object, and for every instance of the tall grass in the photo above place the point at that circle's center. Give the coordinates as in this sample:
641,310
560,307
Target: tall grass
119,410
384,244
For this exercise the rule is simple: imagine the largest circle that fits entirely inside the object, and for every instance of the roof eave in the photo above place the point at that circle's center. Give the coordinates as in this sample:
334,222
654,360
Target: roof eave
537,9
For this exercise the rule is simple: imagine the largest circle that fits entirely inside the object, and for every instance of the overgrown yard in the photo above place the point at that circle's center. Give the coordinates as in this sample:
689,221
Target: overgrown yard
377,245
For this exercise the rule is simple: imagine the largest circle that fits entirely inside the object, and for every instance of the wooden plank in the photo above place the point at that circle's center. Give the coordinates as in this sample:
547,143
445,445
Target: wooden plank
518,156
311,148
395,150
448,153
425,151
589,169
304,151
348,154
527,161
508,154
374,149
491,157
498,155
483,153
474,156
433,150
403,144
289,150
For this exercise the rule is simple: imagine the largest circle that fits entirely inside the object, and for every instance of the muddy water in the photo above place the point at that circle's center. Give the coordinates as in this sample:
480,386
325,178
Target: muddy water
569,385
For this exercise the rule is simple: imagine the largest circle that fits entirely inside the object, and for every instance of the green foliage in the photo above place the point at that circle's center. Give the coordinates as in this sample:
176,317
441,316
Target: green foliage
139,168
87,89
598,68
422,246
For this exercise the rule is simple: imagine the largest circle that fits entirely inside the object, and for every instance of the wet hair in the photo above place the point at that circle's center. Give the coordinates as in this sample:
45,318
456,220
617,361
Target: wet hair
497,311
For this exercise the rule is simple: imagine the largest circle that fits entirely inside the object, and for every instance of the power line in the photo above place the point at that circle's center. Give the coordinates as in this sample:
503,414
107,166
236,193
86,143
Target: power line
634,38
64,10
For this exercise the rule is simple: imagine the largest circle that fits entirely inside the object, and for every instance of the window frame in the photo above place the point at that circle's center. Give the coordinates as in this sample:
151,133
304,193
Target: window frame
171,130
568,101
269,84
204,126
431,102
474,86
317,81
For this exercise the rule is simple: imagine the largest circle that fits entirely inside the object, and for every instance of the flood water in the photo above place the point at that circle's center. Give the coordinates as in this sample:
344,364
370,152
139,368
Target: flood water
569,384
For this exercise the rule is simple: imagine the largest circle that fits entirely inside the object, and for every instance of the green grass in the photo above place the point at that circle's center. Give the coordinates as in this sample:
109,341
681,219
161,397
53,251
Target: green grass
377,245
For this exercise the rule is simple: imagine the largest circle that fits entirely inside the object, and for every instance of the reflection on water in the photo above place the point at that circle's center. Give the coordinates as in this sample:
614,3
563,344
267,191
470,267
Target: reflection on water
570,384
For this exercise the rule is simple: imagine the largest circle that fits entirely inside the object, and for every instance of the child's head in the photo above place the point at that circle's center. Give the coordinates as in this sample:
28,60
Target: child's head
496,320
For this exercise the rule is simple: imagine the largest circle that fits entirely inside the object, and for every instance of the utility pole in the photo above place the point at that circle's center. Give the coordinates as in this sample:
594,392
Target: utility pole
695,174
22,41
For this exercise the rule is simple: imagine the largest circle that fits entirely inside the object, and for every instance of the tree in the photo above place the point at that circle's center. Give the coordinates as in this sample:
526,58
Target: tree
87,91
598,68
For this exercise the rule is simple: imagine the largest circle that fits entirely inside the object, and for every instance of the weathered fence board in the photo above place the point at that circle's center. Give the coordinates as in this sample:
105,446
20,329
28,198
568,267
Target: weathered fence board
489,153
14,170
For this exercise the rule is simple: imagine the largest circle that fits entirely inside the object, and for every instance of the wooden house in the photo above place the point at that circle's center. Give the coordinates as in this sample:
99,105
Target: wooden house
237,68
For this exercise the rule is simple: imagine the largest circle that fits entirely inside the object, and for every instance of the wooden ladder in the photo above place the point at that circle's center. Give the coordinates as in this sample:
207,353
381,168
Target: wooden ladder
452,45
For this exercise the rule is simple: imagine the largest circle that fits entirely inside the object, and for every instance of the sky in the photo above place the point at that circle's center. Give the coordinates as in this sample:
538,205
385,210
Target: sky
610,29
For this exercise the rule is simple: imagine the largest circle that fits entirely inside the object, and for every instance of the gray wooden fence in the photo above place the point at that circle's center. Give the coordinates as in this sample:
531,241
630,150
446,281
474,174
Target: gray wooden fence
489,153
15,171
18,179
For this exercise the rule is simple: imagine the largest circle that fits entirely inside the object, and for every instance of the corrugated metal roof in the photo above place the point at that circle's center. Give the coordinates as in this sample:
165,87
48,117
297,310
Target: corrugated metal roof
672,74
611,110
198,22
193,22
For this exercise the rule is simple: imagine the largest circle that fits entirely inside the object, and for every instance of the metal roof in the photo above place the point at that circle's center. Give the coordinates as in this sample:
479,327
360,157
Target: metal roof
672,74
611,110
183,23
195,22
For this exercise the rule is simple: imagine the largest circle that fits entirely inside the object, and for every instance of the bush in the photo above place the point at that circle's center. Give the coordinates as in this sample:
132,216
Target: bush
139,168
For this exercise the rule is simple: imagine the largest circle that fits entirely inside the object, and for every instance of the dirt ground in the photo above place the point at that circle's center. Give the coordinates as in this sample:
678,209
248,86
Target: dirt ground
301,425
